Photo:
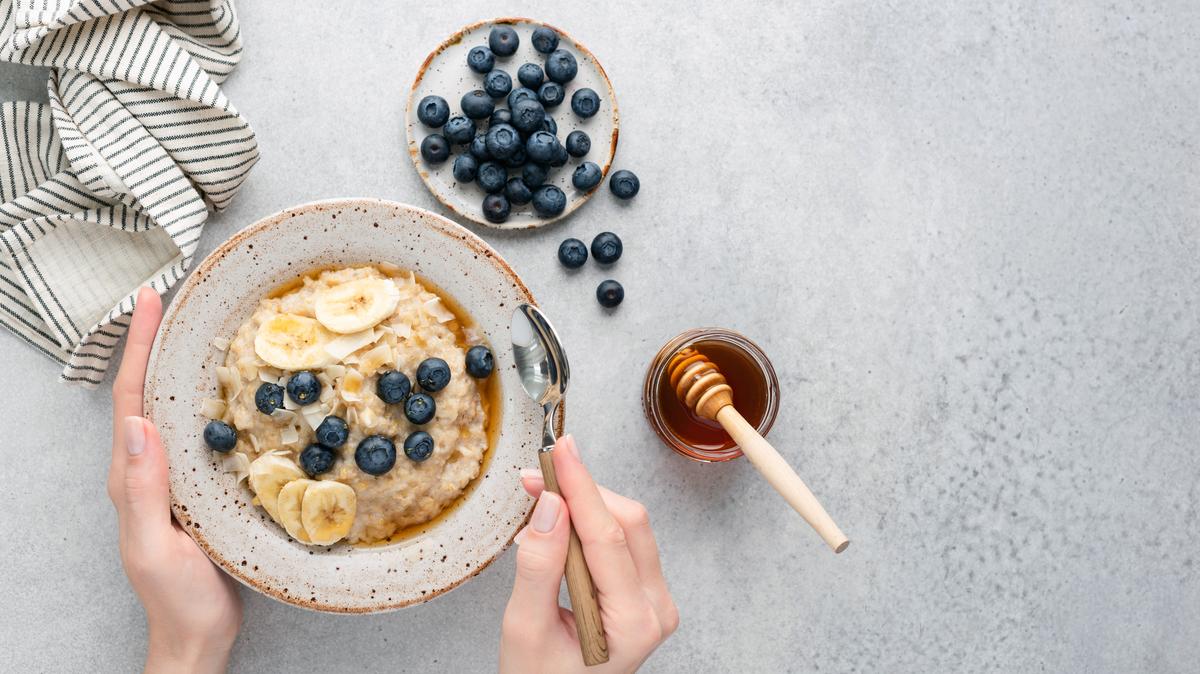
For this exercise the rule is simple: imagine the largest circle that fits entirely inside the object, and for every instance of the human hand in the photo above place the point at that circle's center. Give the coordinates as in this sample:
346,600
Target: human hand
193,610
538,635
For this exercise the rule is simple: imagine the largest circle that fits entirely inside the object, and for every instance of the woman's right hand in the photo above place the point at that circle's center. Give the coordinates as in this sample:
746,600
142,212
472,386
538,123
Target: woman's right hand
537,634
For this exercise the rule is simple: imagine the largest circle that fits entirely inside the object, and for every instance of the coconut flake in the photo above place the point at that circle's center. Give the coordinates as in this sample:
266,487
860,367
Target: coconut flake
268,375
220,343
434,308
230,379
351,389
290,435
212,408
283,415
236,463
374,359
401,329
289,404
314,414
344,345
336,372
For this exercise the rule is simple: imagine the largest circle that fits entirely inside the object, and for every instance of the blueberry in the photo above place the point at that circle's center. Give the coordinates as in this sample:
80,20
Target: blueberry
220,436
496,208
533,175
268,397
504,41
419,408
545,39
393,387
518,158
433,111
435,149
572,253
521,94
585,102
459,130
561,158
548,124
578,144
303,388
375,455
624,184
606,248
491,177
333,432
586,176
479,148
418,446
497,84
609,293
549,201
476,104
531,75
551,94
481,59
528,115
542,147
480,362
316,459
502,141
561,66
465,167
500,116
517,192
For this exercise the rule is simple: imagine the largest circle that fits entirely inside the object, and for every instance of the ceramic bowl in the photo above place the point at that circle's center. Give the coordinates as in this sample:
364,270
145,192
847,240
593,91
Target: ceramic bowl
445,73
216,510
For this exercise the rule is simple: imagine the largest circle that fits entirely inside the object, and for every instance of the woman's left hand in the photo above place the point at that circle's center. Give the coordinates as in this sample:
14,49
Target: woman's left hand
193,609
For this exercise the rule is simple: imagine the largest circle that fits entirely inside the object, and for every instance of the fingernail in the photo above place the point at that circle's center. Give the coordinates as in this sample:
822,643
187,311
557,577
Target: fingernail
569,441
531,474
135,435
546,512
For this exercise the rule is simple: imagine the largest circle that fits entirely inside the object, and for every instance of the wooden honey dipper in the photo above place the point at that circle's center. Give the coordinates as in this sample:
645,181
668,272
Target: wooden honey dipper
699,384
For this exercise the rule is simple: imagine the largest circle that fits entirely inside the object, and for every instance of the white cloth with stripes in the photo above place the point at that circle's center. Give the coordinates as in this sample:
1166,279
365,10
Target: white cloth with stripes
108,186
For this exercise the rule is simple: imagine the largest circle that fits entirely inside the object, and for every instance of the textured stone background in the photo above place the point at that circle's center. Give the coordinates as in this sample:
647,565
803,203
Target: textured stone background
966,236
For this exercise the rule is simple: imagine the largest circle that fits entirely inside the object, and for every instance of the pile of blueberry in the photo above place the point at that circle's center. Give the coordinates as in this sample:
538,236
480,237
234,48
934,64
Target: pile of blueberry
606,249
375,454
512,159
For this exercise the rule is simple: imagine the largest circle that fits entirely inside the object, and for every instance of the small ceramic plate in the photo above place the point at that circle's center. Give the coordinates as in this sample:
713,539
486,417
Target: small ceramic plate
215,509
445,73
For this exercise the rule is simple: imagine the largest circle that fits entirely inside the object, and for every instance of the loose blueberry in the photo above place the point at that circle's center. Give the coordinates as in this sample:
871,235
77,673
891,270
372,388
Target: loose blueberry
561,66
502,141
548,124
375,455
491,177
500,116
531,75
541,147
480,362
433,111
476,104
521,94
465,167
518,158
496,208
481,59
586,176
220,436
333,432
435,149
545,39
551,94
624,184
497,84
609,293
533,175
393,387
315,459
572,253
304,388
418,446
578,144
549,201
459,130
561,158
504,41
606,248
419,408
479,148
517,192
268,397
585,102
528,115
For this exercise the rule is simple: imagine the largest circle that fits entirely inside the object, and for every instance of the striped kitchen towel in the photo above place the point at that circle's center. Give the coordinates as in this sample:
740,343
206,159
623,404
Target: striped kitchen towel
107,187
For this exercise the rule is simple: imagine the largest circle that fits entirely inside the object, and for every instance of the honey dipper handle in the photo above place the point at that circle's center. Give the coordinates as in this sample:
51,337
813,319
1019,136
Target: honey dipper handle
781,476
588,626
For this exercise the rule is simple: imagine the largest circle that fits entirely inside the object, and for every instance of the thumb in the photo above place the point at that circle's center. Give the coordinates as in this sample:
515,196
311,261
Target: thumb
144,501
541,560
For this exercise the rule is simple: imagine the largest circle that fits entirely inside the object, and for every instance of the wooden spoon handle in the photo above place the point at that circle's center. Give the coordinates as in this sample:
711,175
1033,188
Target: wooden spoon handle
781,476
592,643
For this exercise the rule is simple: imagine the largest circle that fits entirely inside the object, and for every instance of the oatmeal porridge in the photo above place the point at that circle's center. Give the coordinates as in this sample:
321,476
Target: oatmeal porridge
356,403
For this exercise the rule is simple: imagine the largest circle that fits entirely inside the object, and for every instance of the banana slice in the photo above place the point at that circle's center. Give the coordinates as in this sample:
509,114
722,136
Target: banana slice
356,305
268,474
328,511
292,342
291,498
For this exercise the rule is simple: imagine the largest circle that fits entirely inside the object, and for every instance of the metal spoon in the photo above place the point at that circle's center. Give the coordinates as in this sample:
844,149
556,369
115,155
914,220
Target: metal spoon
544,372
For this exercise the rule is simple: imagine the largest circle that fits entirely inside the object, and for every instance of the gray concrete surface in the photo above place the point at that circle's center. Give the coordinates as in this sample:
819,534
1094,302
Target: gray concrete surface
966,233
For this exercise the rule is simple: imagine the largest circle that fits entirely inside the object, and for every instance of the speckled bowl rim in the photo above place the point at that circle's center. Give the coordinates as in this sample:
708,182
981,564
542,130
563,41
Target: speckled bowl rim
443,226
414,148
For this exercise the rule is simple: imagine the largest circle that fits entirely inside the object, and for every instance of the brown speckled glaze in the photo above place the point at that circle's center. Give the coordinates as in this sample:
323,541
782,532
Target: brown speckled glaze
216,511
445,73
